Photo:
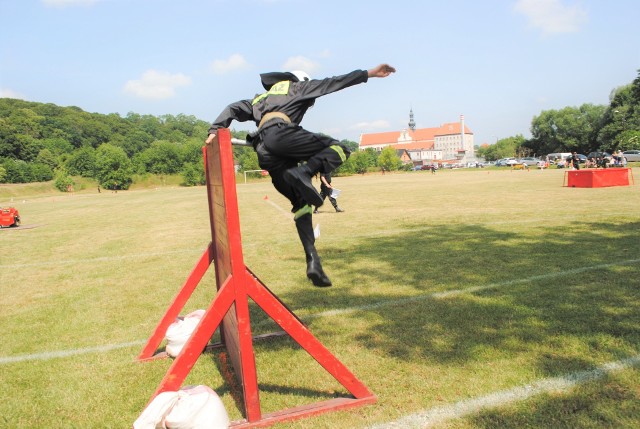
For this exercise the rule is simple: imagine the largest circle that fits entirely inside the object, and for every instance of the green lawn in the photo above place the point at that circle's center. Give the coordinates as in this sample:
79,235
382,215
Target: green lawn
447,287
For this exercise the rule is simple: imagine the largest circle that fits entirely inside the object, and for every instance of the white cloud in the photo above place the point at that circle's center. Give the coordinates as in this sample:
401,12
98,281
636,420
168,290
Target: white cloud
552,16
65,3
375,125
157,85
233,63
301,63
8,93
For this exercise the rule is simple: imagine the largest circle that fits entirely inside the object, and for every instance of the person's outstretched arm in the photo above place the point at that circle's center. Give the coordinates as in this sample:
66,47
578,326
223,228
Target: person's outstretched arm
383,70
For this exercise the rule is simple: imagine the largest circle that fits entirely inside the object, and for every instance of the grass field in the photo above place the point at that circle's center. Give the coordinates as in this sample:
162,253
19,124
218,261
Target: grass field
451,290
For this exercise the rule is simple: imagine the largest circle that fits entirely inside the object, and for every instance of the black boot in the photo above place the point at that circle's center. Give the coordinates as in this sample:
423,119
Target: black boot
300,178
314,268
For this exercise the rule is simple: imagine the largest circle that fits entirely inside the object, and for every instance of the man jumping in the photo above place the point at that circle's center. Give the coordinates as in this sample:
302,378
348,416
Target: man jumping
282,144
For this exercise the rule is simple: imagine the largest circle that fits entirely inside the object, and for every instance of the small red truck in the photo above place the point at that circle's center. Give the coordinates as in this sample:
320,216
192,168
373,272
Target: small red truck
9,217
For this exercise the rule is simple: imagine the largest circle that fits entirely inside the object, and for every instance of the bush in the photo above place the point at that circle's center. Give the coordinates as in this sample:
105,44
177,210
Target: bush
193,175
63,181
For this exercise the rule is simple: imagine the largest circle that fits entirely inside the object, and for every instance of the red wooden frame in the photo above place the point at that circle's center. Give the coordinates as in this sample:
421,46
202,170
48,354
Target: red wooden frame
230,308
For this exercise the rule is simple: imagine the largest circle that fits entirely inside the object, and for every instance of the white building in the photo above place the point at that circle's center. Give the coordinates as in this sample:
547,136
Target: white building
444,144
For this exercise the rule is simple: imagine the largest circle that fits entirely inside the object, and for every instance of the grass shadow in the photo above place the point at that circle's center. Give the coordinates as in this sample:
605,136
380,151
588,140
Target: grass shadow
540,289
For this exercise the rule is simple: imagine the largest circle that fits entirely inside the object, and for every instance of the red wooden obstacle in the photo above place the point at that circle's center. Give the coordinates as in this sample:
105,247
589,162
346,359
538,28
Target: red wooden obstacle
230,308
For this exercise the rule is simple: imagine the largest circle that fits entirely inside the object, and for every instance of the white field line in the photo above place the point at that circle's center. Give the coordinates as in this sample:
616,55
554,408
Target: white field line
433,416
331,313
286,214
67,353
449,293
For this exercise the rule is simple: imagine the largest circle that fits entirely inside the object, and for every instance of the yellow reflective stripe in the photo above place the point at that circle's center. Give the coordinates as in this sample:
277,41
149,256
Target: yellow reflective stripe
338,149
303,211
280,88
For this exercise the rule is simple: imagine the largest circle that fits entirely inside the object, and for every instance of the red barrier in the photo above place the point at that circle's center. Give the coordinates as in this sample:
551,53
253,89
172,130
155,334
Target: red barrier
230,308
598,177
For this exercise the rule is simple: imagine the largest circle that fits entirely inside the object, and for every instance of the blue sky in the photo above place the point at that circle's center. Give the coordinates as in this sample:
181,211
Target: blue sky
498,62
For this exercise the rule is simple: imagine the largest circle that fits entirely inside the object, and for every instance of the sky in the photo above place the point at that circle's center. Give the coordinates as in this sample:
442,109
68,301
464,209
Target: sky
499,63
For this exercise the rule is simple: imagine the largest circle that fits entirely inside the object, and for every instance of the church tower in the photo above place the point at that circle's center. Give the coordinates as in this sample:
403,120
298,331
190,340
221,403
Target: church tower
412,123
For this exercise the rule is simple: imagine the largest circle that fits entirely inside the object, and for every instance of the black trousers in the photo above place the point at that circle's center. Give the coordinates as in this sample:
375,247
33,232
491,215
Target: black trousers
282,146
326,193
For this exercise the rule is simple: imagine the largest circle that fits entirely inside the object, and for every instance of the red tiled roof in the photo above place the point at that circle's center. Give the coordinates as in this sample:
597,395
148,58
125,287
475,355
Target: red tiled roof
379,138
422,138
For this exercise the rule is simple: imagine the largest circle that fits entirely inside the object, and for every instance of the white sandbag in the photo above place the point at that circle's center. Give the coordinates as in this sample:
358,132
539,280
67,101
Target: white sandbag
180,331
198,407
154,415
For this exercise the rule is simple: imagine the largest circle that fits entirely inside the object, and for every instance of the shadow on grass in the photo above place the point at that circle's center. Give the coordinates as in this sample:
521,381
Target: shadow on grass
564,299
531,297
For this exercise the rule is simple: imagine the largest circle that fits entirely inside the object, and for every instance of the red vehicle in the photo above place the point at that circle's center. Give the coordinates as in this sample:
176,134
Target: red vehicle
9,217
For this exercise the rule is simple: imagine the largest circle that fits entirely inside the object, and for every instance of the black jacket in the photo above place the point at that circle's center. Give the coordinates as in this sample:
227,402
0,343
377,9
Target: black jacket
288,97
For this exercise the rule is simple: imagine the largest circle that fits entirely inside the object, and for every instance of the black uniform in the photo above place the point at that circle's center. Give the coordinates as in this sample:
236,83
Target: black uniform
325,191
281,144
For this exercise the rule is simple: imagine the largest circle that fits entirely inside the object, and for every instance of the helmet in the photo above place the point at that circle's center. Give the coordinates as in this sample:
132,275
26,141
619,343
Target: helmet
300,75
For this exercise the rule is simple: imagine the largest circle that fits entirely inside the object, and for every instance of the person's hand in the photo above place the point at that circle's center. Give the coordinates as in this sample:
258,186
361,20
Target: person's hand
383,70
210,138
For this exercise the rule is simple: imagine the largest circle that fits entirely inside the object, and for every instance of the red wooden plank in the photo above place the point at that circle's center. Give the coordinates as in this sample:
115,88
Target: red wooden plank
230,308
299,332
177,304
297,413
195,345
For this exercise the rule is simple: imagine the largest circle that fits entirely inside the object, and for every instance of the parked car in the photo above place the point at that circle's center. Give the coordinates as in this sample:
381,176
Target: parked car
530,160
505,162
596,155
558,156
632,155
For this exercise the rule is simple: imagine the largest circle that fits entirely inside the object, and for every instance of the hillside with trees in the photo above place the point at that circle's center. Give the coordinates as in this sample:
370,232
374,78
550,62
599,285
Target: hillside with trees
42,142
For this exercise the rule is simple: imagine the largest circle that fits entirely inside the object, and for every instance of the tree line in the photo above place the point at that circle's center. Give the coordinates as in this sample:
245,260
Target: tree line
582,129
42,142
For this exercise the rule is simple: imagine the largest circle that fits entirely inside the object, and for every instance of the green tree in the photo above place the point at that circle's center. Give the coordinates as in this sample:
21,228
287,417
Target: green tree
57,145
504,148
247,159
113,167
360,161
350,144
193,174
82,162
62,180
566,130
191,151
622,119
40,172
46,157
388,159
162,157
